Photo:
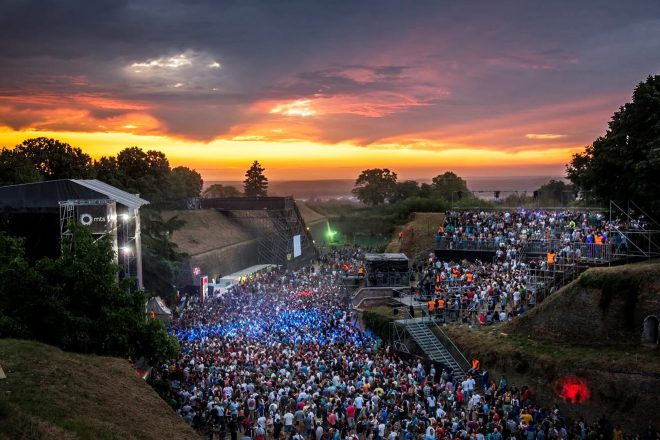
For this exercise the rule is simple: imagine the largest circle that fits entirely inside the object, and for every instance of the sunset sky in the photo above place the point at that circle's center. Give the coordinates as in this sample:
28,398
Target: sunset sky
324,89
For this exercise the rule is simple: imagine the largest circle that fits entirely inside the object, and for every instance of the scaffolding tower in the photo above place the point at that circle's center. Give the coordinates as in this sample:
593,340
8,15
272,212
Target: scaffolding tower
100,217
282,236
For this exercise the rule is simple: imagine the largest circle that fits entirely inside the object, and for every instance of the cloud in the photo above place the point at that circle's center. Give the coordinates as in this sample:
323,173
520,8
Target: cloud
544,136
190,69
300,107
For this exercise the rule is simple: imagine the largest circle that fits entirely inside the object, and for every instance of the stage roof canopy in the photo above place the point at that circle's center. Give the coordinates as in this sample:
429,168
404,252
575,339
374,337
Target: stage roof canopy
45,196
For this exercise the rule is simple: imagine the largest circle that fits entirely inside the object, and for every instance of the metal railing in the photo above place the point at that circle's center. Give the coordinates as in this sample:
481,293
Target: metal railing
572,251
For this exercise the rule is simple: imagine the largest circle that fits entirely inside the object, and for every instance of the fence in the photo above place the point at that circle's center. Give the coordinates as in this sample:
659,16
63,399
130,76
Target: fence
571,251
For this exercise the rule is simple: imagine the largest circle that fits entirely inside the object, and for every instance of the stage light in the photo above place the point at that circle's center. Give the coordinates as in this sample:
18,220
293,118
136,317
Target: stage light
330,234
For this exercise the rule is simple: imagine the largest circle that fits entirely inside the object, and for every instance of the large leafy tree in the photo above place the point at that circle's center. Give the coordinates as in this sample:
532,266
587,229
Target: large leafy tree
144,172
375,186
185,183
148,173
17,168
219,190
17,283
450,186
404,190
624,164
256,182
56,160
555,193
161,258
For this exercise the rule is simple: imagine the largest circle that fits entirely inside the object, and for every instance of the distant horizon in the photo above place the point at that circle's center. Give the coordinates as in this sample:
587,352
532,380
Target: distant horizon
341,188
420,180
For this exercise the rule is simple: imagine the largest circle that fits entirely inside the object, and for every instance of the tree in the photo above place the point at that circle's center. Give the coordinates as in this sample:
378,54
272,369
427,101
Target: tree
624,164
56,160
450,186
145,173
256,183
161,259
217,191
107,170
16,168
184,183
375,186
17,283
404,190
555,193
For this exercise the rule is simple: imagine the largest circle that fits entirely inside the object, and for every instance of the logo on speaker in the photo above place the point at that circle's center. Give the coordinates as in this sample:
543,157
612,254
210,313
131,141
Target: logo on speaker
86,219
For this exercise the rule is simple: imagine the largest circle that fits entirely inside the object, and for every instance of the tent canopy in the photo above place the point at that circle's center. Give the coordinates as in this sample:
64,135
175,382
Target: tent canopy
157,306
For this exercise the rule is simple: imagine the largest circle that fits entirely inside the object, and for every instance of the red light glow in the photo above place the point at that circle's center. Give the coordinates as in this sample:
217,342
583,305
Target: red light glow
573,389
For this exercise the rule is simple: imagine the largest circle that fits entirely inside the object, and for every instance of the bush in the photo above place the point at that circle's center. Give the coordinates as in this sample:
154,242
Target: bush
378,324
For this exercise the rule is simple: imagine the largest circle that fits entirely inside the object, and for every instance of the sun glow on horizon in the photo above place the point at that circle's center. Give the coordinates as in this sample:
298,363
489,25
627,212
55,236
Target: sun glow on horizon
227,159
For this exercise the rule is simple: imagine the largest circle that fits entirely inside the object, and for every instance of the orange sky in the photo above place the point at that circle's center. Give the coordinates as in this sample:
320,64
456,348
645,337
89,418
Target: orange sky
304,160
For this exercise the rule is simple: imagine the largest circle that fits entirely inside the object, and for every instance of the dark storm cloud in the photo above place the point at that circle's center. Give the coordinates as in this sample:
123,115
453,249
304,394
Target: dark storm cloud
447,62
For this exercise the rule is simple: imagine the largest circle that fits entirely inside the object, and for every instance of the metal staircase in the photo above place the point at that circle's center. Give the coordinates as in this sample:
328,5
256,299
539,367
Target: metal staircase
419,331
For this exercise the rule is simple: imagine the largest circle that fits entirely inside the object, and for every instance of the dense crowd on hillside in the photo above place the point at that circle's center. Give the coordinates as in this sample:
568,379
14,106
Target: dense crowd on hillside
281,357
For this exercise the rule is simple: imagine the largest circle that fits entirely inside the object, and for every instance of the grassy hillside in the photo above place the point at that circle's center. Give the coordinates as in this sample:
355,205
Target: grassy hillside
418,235
52,394
205,230
604,306
308,214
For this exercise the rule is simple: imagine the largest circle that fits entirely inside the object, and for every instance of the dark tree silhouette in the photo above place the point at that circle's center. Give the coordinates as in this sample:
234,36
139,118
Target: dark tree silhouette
256,183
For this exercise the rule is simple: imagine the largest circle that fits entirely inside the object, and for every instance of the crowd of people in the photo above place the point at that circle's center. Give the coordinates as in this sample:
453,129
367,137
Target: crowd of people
280,356
476,292
571,234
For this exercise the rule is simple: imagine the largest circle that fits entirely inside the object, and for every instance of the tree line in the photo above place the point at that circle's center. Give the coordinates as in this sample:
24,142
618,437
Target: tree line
377,187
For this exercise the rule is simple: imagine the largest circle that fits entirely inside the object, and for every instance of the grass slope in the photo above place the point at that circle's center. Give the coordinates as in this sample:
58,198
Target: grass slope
308,214
49,393
418,236
206,230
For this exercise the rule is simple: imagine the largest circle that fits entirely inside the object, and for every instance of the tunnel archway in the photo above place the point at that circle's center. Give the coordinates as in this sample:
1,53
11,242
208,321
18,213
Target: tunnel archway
650,330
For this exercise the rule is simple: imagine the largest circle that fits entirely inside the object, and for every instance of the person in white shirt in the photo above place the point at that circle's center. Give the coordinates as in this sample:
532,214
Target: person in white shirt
381,430
430,400
288,422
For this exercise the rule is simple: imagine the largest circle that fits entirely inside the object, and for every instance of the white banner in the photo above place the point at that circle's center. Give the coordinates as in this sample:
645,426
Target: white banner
296,246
